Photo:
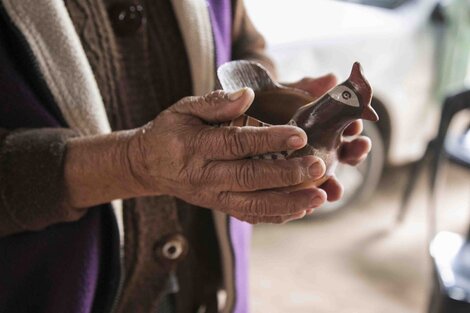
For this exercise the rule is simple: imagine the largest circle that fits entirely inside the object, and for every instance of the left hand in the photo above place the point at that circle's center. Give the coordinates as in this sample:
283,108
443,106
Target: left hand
350,152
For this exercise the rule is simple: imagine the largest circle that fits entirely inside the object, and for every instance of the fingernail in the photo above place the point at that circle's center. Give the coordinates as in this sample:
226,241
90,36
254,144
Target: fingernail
316,169
295,142
235,95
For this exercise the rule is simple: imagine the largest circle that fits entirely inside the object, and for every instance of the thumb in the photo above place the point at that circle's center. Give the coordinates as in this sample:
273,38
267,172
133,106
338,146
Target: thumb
216,106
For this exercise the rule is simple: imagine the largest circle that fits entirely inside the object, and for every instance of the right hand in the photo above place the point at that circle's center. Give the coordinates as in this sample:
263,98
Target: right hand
179,154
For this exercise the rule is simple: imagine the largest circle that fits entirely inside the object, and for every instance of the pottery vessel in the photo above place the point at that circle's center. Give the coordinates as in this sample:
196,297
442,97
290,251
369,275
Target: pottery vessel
323,119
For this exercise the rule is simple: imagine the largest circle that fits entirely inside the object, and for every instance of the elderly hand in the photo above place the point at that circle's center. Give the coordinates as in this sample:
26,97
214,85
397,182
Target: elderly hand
351,152
179,154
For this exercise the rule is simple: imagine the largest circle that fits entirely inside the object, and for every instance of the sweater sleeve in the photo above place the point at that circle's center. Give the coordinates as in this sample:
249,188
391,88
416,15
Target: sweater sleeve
247,42
31,179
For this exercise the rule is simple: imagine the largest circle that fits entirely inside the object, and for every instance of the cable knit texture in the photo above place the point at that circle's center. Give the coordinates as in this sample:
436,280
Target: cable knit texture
139,75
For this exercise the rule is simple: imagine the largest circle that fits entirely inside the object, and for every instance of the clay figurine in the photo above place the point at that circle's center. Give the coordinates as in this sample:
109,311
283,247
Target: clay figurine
323,119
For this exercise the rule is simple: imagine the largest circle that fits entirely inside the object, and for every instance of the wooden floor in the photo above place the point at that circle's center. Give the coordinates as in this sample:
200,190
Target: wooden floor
356,261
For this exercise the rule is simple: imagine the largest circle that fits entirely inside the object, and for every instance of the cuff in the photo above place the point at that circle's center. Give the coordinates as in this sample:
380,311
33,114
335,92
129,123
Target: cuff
32,184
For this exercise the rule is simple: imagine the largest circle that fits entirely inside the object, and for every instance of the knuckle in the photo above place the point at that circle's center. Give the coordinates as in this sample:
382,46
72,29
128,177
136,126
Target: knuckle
265,140
292,175
206,175
223,199
292,205
191,177
236,142
199,176
245,175
213,102
188,99
202,142
191,102
255,207
258,140
215,97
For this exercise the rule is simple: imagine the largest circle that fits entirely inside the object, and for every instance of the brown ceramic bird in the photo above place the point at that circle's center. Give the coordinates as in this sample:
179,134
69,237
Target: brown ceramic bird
323,119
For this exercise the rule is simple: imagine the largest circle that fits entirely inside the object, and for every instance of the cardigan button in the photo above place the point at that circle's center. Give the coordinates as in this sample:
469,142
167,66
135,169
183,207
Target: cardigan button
171,248
126,18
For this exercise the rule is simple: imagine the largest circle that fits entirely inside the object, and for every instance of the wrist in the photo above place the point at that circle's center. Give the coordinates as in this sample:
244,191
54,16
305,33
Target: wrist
136,164
98,170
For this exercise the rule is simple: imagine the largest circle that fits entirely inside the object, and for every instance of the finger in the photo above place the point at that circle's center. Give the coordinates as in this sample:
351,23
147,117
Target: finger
228,143
217,106
316,86
354,129
251,175
270,203
354,152
281,219
333,189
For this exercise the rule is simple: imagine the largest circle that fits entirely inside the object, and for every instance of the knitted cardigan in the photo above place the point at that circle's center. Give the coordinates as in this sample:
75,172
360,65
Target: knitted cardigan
67,257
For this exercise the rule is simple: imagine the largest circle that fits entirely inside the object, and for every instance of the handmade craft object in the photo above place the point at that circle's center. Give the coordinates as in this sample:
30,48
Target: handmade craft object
323,119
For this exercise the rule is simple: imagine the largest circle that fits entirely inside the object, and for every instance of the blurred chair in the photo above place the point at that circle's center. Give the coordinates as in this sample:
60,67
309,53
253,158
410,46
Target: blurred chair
450,252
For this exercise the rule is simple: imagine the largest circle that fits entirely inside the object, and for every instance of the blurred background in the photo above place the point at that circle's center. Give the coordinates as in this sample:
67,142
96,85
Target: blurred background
363,254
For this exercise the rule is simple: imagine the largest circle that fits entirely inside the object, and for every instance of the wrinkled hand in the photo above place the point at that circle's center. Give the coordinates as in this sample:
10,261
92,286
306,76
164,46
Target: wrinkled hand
179,154
350,152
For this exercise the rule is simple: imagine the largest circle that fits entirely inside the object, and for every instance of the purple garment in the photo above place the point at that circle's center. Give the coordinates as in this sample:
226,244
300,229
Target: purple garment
57,269
240,232
221,19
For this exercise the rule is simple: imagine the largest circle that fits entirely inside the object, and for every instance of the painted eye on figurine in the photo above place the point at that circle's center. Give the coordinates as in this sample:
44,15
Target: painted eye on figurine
344,95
